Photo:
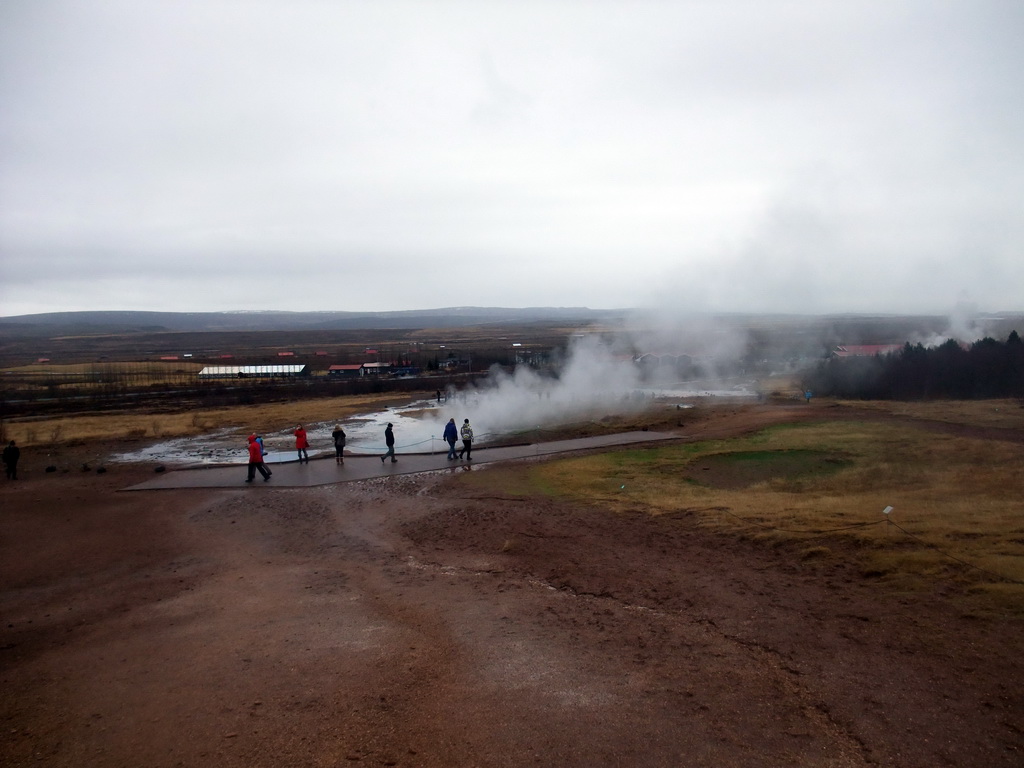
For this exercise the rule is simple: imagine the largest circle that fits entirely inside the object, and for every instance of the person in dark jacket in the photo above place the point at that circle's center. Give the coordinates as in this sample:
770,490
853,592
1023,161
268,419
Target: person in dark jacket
451,434
389,441
256,460
11,455
339,444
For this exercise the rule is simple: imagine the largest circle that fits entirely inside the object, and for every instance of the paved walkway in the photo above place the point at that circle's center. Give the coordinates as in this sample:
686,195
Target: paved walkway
324,471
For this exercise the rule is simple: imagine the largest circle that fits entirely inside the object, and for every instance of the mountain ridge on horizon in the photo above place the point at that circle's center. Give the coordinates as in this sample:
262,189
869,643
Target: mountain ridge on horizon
148,321
111,322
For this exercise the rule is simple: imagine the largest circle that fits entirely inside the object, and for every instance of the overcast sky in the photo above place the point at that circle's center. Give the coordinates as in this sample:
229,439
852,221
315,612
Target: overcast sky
792,156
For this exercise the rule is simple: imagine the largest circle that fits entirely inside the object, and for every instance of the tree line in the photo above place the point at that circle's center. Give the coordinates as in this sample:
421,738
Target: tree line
985,369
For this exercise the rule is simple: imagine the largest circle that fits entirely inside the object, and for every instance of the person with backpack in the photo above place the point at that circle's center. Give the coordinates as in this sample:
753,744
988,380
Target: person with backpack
467,441
339,444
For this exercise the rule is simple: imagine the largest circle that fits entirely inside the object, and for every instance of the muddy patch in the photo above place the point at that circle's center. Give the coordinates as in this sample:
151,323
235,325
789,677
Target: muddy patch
742,469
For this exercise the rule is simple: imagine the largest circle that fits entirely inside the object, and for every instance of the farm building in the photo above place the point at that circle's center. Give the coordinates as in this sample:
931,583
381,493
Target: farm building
253,371
345,371
361,369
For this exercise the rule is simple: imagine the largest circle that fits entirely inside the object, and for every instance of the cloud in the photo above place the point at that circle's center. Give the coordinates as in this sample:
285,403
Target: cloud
744,156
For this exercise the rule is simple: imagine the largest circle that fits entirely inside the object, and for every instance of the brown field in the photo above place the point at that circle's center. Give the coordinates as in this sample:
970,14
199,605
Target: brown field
1003,414
735,597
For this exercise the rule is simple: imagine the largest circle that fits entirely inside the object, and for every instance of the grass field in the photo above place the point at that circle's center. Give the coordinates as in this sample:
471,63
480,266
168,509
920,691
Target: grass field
818,491
982,413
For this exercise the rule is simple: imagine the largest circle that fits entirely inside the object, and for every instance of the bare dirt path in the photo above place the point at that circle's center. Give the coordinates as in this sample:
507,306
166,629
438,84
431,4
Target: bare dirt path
409,621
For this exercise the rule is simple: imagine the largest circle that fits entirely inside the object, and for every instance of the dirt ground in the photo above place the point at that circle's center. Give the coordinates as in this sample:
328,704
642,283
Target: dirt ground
415,621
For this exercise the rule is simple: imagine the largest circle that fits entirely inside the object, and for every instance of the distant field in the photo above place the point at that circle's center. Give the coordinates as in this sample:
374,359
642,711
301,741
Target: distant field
981,413
314,347
82,428
54,377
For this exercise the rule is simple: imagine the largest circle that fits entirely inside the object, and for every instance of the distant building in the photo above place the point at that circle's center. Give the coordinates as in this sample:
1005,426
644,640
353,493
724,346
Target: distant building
253,371
376,369
345,371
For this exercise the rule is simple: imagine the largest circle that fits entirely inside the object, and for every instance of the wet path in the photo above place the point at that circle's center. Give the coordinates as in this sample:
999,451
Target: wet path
324,471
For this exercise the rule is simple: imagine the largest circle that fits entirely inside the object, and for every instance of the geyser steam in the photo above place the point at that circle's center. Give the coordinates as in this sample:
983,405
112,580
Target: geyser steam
592,383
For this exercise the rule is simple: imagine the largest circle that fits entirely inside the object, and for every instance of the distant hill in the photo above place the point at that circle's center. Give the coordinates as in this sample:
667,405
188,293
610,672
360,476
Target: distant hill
51,324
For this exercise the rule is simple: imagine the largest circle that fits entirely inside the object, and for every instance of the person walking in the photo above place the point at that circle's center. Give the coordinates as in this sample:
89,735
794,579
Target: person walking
339,444
301,444
11,455
389,441
256,460
467,441
451,434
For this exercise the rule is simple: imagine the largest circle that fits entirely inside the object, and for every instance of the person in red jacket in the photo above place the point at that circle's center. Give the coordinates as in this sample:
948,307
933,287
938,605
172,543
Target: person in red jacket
301,444
256,460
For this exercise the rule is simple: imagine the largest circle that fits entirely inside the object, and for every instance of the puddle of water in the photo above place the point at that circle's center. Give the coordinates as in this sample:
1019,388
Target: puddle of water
414,433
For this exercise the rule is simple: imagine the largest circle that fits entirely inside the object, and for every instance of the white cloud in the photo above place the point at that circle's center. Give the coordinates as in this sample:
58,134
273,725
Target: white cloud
742,155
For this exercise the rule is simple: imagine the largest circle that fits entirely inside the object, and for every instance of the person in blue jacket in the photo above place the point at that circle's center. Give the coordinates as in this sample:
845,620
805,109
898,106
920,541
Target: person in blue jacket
451,434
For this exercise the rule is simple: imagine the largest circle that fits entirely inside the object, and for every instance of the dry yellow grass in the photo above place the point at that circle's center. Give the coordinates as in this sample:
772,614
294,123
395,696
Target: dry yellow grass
149,367
271,416
90,376
954,499
983,413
